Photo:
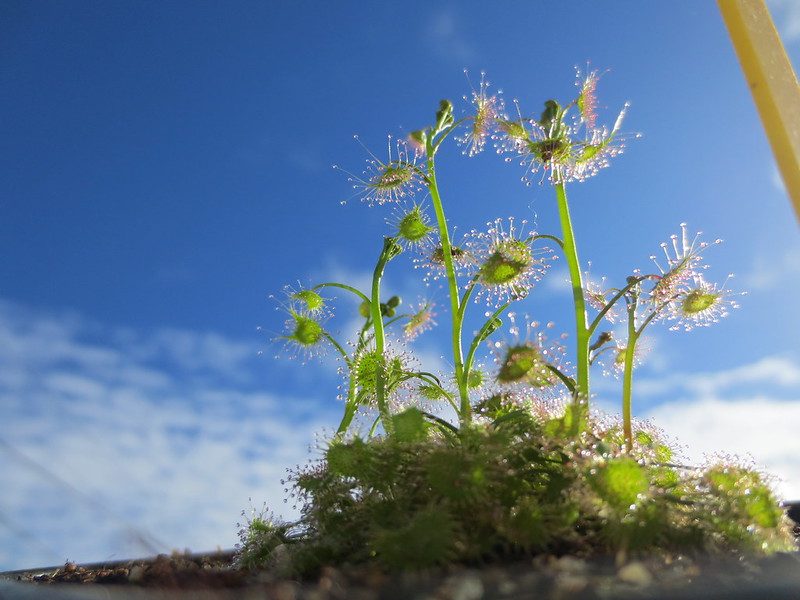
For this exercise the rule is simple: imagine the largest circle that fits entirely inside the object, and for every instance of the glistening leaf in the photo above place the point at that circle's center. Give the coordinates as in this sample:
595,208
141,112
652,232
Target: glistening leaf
619,482
410,425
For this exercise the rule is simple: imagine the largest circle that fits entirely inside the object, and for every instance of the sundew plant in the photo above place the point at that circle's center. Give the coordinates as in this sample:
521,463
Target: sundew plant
426,468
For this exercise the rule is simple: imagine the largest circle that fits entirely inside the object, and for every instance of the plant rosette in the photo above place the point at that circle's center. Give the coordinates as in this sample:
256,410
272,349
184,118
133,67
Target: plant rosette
508,460
511,487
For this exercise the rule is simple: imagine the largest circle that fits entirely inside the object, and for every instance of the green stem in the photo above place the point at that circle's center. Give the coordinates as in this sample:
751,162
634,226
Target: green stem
347,418
581,400
568,382
630,353
488,328
344,287
545,236
632,282
627,376
338,347
465,412
368,322
389,251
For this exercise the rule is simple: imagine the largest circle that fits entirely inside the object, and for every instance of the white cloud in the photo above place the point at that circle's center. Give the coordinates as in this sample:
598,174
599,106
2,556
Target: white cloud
448,41
777,179
116,443
786,15
749,411
111,439
760,428
771,370
557,280
773,272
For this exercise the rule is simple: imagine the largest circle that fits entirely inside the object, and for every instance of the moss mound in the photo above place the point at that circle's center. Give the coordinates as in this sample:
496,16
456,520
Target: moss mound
512,486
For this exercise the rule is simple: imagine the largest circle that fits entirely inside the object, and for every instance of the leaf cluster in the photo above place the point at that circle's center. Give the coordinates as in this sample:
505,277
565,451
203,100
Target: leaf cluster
513,485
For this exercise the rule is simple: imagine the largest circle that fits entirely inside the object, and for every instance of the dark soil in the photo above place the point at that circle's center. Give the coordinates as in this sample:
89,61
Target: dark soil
775,577
178,571
544,577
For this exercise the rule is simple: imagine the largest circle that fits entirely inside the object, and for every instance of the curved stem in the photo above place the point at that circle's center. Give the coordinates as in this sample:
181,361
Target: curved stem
363,297
488,327
627,376
633,282
344,287
568,382
338,347
581,399
389,251
465,412
443,425
546,236
465,298
441,135
347,418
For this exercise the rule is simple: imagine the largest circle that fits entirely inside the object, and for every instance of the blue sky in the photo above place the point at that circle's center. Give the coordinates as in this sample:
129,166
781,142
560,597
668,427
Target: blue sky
166,166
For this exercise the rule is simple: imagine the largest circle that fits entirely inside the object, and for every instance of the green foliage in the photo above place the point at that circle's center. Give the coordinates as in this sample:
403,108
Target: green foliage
260,538
419,499
410,425
619,482
510,477
737,495
424,540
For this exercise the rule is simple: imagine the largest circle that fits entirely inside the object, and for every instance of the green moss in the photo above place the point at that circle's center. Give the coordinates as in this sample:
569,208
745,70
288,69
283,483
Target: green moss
509,488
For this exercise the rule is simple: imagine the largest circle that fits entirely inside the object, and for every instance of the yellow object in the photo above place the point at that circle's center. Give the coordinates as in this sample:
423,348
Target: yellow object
772,82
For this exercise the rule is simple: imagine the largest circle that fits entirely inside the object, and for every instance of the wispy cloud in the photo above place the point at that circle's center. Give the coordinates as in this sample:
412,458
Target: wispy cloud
772,272
786,15
777,179
772,371
556,280
116,443
759,429
748,411
445,35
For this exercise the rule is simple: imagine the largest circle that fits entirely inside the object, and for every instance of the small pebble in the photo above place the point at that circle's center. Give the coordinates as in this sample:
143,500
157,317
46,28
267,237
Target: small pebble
635,573
464,586
135,574
506,587
570,583
570,564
